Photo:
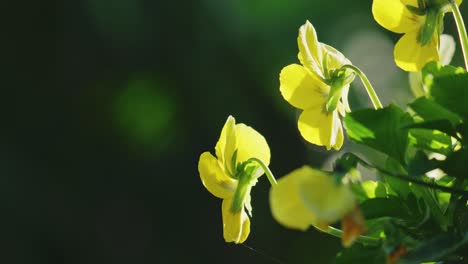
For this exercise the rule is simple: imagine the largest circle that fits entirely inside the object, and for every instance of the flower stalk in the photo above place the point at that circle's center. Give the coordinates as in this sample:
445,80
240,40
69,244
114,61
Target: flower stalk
461,30
265,168
367,240
370,90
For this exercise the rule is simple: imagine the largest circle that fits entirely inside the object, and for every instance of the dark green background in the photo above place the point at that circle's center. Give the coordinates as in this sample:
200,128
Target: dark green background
107,105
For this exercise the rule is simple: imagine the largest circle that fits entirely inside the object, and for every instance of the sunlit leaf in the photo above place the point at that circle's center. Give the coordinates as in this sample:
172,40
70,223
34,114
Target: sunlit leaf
382,129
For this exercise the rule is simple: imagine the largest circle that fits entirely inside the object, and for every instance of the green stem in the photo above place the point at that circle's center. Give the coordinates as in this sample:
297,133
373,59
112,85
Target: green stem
371,241
265,168
426,184
370,90
414,180
461,30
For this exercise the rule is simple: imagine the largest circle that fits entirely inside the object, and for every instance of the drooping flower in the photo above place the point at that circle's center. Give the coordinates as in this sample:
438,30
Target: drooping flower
421,22
309,197
319,87
231,175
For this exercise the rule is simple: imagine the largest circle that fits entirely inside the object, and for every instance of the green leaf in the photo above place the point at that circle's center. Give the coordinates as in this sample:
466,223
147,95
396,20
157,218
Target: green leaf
451,92
382,129
434,249
435,69
441,125
383,207
420,164
369,189
361,254
431,140
455,164
429,110
397,186
430,199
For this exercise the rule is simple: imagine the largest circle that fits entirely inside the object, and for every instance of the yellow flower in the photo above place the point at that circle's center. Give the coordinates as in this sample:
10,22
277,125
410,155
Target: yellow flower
230,175
309,197
319,87
420,22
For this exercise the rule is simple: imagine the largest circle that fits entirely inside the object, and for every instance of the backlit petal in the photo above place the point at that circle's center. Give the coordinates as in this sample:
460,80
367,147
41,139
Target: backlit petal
236,225
300,88
213,177
328,200
335,59
344,99
287,207
410,3
339,133
310,51
411,56
226,144
320,128
395,16
251,144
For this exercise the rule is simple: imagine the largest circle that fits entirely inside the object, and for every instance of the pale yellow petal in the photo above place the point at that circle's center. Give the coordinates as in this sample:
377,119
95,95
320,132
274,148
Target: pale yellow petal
339,134
446,49
236,225
287,207
395,16
344,99
411,56
213,177
320,128
251,144
300,88
335,59
226,144
310,51
328,200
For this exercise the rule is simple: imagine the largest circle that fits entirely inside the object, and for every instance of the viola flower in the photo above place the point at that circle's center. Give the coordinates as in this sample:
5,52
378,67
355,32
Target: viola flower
421,22
319,87
309,197
231,175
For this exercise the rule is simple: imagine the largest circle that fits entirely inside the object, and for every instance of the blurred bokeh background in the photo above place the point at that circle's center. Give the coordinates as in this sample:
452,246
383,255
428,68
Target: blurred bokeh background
106,106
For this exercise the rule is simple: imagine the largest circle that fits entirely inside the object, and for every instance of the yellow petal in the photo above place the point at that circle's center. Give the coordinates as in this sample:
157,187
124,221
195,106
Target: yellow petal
310,51
344,99
395,16
411,56
300,88
251,144
321,128
339,134
213,177
226,144
323,197
410,3
236,225
335,59
286,204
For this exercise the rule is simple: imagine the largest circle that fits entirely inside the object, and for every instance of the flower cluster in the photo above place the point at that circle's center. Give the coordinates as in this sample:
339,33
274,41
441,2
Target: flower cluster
307,196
